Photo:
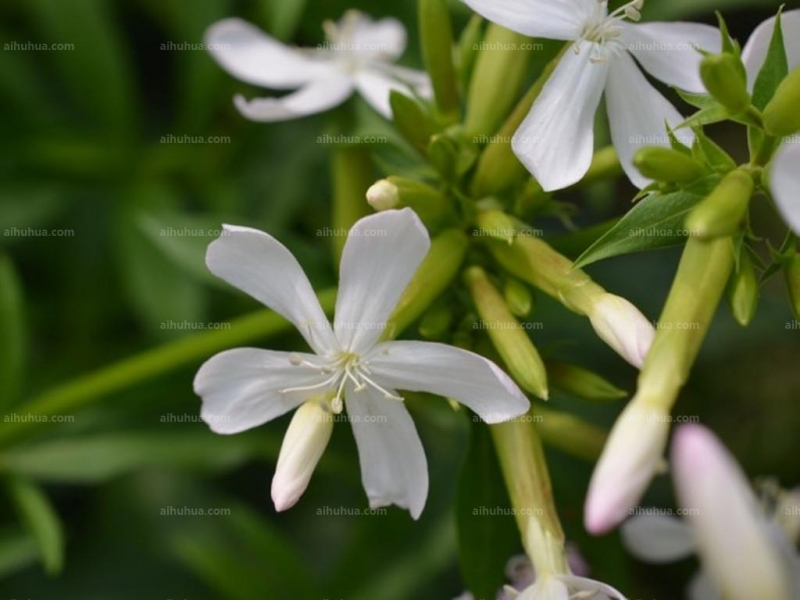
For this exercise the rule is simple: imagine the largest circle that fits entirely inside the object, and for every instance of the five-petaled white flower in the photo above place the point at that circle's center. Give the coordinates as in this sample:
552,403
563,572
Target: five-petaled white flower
359,55
350,368
556,140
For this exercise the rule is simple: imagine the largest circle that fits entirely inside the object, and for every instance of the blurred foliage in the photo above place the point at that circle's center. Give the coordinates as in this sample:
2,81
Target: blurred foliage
94,142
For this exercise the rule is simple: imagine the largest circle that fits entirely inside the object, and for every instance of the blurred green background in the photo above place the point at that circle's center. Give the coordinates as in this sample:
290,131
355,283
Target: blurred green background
86,156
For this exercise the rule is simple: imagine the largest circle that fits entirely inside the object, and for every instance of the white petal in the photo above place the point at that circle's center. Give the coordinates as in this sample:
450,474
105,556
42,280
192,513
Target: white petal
382,253
562,20
637,113
623,327
556,140
249,54
628,463
375,40
755,51
785,182
730,528
315,97
376,87
590,585
667,50
241,388
419,81
450,372
657,539
303,445
701,587
393,465
262,267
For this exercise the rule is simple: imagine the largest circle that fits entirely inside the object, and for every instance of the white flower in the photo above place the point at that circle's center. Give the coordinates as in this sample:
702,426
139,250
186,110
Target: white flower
737,546
755,51
358,55
566,587
556,141
632,455
623,327
350,367
784,181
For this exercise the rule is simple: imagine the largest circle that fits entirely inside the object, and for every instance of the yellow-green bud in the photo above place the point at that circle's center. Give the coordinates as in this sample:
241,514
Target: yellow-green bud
668,165
497,225
430,204
582,383
792,272
518,297
744,291
725,79
434,276
436,33
508,337
782,114
722,212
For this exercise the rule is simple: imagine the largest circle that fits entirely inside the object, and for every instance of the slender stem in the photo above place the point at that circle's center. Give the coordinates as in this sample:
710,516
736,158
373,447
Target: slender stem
91,388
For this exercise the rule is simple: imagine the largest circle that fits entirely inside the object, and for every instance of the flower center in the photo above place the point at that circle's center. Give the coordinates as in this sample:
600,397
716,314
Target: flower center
343,367
341,41
603,30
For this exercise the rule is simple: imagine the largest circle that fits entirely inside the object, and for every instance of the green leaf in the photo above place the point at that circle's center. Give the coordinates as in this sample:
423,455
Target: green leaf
655,222
17,551
282,18
697,100
712,153
706,116
36,511
26,205
774,70
487,531
12,334
93,459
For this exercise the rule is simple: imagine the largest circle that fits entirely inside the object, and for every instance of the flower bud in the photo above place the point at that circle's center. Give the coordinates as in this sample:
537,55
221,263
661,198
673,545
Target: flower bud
668,165
620,325
518,297
782,115
582,383
303,445
429,203
631,457
411,120
721,213
726,79
792,273
744,290
436,33
497,225
730,529
508,337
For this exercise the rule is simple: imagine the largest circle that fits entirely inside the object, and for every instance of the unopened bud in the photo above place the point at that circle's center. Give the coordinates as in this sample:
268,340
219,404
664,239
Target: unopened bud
623,327
412,120
782,114
582,383
383,195
518,297
430,204
436,33
508,337
722,212
497,225
792,272
726,79
743,292
668,165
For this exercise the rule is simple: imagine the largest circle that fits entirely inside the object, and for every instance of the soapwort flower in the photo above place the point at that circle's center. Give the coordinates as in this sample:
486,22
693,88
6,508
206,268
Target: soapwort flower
351,368
358,56
556,140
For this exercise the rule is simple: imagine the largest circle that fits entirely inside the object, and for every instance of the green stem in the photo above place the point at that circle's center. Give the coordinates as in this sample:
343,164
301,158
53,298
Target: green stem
84,391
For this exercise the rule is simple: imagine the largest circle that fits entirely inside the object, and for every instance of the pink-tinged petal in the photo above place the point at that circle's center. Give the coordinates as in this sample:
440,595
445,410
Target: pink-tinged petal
785,182
562,20
595,589
262,267
668,51
242,388
623,327
382,254
755,51
556,140
731,531
629,461
314,97
450,372
658,539
637,114
249,54
303,445
393,465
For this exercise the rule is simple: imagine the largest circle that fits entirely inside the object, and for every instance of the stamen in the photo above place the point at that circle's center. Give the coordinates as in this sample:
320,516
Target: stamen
308,388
